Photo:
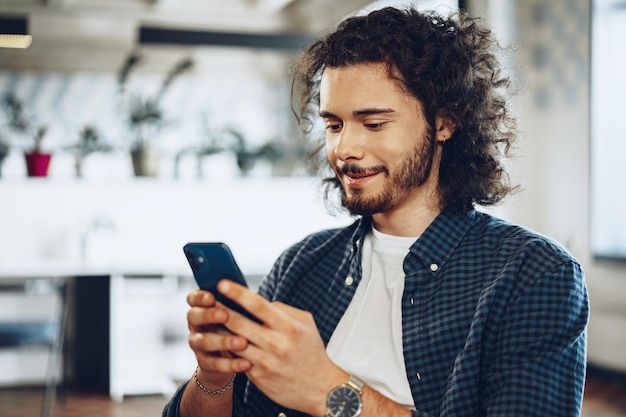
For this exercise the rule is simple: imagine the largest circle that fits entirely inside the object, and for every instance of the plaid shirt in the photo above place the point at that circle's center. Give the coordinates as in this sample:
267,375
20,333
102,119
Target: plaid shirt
494,316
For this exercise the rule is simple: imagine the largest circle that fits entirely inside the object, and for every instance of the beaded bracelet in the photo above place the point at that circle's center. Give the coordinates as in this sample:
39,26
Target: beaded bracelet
210,391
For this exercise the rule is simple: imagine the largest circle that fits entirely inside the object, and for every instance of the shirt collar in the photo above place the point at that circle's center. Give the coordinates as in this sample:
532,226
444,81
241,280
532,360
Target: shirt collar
436,245
363,227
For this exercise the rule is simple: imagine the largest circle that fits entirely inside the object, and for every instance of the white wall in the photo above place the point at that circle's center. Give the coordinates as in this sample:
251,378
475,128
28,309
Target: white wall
551,64
142,224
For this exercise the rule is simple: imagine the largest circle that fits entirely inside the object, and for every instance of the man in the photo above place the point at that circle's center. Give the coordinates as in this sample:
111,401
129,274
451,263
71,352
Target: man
423,306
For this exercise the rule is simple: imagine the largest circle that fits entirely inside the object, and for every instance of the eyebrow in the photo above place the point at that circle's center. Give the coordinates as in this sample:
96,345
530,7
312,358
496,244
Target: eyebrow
362,112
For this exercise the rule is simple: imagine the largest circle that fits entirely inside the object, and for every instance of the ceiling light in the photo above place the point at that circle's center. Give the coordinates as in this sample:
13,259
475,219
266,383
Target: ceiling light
15,41
273,6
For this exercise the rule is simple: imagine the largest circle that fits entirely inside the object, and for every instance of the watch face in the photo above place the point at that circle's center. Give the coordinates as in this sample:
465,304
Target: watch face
344,401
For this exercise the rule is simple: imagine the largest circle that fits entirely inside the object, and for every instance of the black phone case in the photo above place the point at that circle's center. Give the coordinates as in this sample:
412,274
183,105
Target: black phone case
210,262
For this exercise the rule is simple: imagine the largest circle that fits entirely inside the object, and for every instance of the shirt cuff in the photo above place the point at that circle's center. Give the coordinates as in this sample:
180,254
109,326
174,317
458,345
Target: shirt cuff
172,408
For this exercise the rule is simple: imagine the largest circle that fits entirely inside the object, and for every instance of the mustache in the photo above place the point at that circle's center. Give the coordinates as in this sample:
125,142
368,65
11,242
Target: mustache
355,169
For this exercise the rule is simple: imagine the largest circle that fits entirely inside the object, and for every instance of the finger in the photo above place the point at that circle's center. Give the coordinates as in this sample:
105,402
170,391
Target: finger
200,297
223,364
249,300
216,342
200,317
263,338
218,351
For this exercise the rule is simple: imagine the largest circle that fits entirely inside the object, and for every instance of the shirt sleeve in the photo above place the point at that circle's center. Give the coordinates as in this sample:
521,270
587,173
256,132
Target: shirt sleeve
172,408
537,366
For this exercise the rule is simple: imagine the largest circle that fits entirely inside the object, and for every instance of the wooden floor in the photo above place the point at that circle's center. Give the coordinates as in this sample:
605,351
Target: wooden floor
605,396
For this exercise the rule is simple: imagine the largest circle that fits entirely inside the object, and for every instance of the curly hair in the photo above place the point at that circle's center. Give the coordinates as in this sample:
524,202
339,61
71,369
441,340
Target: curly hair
450,65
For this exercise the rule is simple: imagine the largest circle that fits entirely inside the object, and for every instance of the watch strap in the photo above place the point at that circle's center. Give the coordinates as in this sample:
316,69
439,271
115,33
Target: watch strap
356,383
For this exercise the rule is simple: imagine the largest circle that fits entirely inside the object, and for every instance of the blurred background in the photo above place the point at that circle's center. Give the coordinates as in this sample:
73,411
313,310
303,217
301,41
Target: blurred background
131,127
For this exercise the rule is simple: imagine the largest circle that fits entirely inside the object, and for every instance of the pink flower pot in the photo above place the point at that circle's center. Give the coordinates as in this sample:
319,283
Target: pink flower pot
37,164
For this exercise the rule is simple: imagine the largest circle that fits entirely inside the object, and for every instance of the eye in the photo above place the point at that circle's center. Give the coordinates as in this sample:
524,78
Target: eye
333,126
375,126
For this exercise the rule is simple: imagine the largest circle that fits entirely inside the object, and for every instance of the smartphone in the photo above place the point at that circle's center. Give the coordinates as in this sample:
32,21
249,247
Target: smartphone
211,262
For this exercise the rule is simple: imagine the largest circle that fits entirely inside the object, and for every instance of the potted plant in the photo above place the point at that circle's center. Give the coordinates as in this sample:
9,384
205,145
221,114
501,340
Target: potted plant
228,139
209,145
89,142
37,160
4,150
247,157
144,116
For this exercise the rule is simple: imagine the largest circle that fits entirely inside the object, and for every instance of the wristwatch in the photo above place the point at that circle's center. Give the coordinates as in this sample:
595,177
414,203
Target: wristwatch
345,400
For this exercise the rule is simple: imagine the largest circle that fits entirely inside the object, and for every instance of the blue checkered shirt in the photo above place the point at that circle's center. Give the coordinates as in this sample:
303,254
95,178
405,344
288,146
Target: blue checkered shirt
494,316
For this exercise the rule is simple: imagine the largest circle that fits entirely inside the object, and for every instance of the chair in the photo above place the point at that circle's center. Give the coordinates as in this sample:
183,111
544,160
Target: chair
47,332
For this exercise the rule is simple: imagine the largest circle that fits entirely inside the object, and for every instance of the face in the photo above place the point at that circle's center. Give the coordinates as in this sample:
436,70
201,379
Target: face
377,140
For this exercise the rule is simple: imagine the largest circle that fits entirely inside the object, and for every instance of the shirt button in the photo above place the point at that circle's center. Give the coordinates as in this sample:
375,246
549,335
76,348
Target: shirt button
434,267
349,280
282,415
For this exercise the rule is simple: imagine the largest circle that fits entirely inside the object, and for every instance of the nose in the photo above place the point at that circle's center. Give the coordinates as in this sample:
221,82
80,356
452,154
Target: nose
348,145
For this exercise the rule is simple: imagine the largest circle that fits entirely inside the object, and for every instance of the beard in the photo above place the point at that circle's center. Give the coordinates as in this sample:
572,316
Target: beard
411,173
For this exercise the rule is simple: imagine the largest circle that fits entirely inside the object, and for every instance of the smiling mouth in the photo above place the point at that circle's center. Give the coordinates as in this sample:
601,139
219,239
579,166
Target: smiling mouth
355,176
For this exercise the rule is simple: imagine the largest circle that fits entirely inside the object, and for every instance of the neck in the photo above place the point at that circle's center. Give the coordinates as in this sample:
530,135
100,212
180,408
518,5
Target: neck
409,219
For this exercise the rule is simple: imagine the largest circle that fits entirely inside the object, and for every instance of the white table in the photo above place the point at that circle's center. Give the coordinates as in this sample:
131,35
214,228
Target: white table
115,337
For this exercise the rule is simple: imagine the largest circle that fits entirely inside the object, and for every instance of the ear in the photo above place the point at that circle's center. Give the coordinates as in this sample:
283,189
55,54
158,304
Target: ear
444,127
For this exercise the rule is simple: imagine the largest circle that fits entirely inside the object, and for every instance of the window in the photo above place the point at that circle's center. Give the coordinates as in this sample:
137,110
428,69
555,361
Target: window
608,135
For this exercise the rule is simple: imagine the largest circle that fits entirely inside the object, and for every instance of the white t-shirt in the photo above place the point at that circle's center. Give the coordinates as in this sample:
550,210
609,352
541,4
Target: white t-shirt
368,339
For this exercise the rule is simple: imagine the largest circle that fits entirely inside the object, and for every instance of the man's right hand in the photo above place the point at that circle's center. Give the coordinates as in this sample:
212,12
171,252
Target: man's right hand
215,349
212,344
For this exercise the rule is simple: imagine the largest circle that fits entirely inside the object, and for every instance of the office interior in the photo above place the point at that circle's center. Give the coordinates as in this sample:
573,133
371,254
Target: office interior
229,164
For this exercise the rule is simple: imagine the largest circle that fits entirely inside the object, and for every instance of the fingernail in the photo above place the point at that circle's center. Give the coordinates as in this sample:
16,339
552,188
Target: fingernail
243,365
238,343
224,285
